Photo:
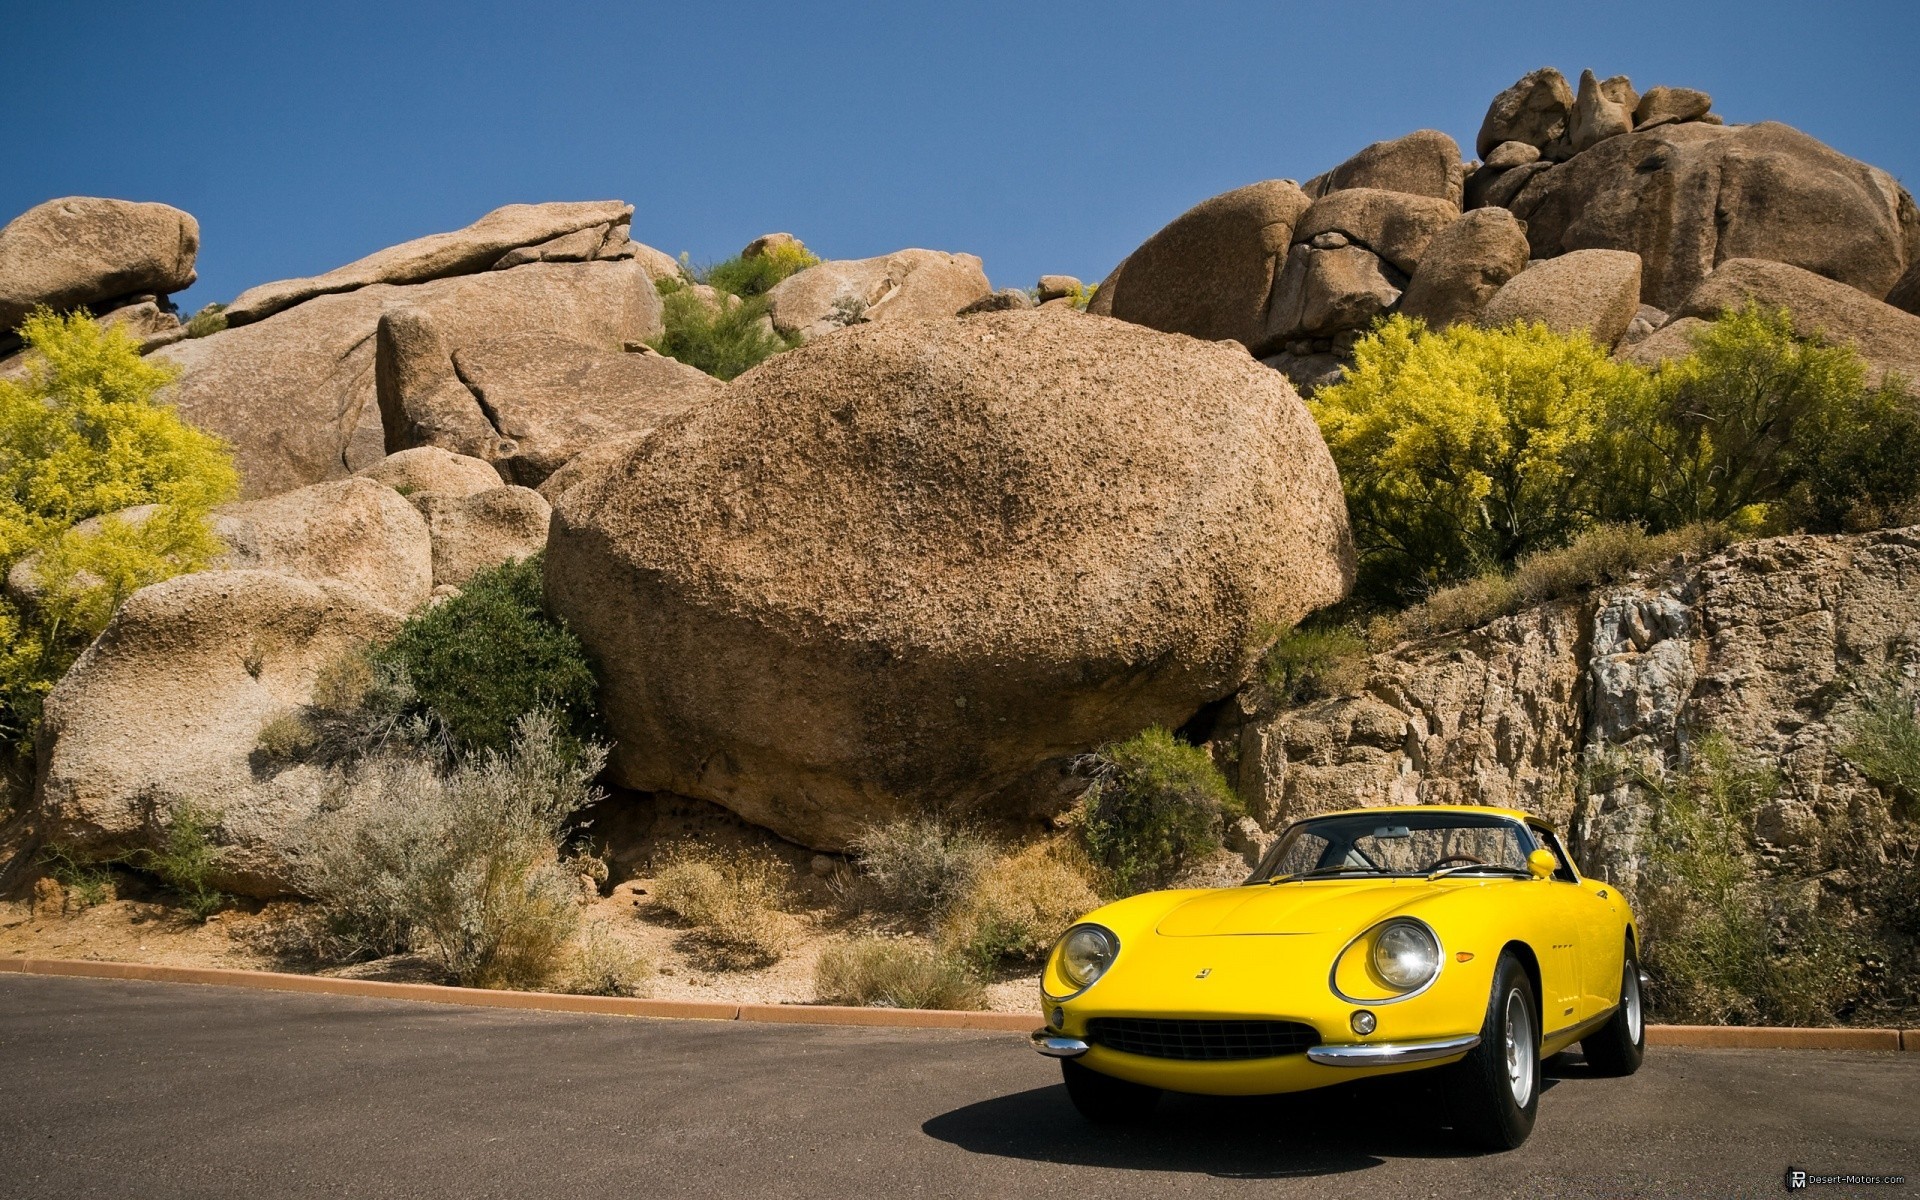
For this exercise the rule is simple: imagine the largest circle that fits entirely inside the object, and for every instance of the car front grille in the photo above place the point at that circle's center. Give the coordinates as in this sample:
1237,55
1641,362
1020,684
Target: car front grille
1201,1041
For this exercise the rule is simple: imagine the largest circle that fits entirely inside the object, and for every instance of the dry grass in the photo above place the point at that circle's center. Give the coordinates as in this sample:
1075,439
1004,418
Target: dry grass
920,866
896,973
1017,909
1603,554
601,963
734,902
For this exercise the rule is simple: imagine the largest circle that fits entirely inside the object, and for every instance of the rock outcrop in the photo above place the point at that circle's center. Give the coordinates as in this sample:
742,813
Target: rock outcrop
475,532
1770,644
1464,265
354,532
1425,162
164,711
904,285
296,393
912,564
431,469
1887,338
85,251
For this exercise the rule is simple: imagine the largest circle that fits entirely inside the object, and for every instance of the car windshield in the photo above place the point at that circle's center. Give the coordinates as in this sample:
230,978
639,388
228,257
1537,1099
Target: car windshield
1397,843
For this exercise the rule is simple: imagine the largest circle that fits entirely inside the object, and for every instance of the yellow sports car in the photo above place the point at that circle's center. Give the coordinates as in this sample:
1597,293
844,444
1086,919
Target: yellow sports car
1367,942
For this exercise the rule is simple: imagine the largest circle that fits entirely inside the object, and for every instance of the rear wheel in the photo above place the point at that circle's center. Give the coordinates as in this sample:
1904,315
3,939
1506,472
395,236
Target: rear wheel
1494,1092
1617,1047
1105,1100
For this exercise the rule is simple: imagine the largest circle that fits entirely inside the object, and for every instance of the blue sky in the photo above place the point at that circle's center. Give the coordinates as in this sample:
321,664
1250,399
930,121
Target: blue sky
1041,136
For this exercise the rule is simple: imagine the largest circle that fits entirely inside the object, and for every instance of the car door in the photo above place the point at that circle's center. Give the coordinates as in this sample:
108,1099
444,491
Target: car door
1593,927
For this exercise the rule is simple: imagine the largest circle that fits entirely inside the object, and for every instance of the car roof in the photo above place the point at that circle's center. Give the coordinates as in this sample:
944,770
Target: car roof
1513,813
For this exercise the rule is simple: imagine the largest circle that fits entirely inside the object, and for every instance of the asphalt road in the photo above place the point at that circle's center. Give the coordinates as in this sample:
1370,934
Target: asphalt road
119,1089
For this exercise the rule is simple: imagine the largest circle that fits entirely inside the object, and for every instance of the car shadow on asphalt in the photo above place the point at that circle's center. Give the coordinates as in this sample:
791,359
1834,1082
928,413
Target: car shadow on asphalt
1330,1131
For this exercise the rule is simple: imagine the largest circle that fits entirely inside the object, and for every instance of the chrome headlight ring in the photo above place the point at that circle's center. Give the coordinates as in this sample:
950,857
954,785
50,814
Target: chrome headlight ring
1439,961
1097,945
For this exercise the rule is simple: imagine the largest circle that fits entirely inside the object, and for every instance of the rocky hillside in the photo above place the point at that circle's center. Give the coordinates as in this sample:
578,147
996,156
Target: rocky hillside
952,538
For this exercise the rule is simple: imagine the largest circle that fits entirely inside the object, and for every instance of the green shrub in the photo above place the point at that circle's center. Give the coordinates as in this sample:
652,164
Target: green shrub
1307,663
756,275
895,973
734,902
87,883
474,666
465,867
724,341
1758,425
1463,449
1724,941
210,319
920,866
1018,908
1884,742
81,436
187,860
1155,806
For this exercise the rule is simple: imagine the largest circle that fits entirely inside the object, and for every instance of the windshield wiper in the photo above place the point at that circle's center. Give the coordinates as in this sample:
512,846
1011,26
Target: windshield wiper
1445,871
1333,870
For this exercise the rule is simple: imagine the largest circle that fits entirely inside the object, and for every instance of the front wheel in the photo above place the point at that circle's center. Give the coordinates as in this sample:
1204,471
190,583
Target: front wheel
1494,1092
1105,1100
1617,1047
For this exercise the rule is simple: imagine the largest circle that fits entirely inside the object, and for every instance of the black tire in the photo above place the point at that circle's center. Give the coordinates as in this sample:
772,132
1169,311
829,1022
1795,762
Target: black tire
1494,1092
1105,1100
1617,1047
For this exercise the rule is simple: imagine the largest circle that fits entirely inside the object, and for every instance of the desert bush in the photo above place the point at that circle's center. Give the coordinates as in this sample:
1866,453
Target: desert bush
600,963
186,860
920,866
895,973
733,901
87,882
1309,662
1155,805
1759,426
1605,553
757,275
1017,909
82,436
724,341
1883,741
465,867
1461,450
472,667
1724,941
210,319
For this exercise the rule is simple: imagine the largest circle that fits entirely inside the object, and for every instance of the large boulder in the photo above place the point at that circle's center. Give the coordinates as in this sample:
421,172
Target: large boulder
462,252
1601,109
165,711
906,567
1905,293
1464,265
1688,197
1669,105
1394,225
82,250
1323,292
296,394
1536,110
905,285
355,532
553,397
1210,273
1887,338
1426,162
475,532
1596,292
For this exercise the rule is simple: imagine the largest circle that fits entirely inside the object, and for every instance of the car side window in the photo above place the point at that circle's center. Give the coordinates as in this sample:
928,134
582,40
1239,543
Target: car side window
1563,870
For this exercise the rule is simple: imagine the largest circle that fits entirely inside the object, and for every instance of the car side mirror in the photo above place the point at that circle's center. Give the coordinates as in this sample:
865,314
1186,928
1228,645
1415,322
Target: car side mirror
1542,864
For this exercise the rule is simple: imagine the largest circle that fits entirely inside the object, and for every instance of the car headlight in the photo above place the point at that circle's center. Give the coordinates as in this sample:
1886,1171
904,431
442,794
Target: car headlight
1086,953
1406,955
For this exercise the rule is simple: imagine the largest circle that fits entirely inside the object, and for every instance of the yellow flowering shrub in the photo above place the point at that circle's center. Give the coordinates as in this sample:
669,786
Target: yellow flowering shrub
1462,449
80,437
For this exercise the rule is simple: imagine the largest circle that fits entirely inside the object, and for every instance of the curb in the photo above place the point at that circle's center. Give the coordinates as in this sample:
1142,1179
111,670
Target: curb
1731,1037
614,1006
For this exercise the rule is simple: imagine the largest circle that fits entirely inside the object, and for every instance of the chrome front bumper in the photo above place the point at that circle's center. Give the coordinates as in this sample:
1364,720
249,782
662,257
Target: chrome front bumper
1057,1045
1391,1054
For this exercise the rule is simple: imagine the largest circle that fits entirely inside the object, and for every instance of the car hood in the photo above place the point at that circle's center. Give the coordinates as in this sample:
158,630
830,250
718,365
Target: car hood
1307,906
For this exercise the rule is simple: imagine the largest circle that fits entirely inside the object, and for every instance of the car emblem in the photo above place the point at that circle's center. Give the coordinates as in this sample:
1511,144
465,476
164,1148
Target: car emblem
1204,972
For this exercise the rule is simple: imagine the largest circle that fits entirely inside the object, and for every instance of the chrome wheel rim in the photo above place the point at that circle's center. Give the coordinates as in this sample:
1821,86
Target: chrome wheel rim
1630,996
1520,1048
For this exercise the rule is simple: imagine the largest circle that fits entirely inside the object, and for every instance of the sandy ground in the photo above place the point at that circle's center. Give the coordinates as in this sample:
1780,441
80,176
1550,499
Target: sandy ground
147,929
